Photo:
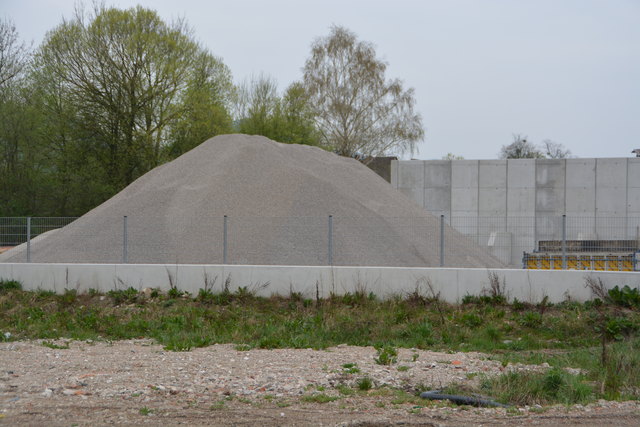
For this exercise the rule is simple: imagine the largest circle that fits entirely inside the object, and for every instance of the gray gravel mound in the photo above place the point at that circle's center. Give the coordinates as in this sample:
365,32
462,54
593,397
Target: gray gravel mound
277,197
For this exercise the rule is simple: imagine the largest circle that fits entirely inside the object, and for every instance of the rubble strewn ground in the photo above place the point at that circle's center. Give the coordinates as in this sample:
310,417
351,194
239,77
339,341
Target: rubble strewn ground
138,382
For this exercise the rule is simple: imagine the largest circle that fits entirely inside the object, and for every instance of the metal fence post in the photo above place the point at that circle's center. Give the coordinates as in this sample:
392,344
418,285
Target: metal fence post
441,240
330,248
125,242
564,242
28,239
224,241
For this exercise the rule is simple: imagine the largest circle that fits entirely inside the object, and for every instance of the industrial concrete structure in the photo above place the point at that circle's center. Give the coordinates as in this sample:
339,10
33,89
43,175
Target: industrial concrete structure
451,284
512,205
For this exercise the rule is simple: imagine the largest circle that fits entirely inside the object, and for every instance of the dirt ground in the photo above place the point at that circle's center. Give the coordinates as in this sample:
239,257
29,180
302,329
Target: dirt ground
137,382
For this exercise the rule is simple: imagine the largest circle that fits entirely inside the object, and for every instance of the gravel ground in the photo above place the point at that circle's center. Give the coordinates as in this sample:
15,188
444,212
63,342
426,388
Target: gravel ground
137,382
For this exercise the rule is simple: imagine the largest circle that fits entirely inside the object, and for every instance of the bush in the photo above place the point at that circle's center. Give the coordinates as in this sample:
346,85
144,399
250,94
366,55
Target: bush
625,297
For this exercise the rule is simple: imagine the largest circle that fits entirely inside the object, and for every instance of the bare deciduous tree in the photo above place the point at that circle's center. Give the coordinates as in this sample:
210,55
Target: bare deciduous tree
358,111
555,150
14,54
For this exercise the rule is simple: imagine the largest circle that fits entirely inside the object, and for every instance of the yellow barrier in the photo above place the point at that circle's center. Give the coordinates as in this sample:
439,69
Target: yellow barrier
579,262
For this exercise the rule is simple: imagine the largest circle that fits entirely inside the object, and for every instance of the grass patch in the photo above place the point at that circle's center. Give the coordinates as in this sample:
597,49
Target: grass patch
564,335
319,398
9,285
55,346
145,411
365,384
530,388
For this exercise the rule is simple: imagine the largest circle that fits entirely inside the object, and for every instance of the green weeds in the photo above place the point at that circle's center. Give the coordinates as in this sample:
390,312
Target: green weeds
570,334
530,388
319,398
9,285
387,355
365,383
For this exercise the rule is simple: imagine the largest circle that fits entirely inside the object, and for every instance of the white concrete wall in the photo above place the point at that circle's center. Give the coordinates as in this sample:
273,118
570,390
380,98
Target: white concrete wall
522,200
452,283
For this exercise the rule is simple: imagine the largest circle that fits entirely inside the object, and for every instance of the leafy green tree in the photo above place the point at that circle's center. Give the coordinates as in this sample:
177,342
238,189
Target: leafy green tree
257,106
297,116
21,158
358,111
287,118
131,78
204,105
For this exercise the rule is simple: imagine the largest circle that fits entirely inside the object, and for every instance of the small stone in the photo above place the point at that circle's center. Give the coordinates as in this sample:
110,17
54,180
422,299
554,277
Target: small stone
47,392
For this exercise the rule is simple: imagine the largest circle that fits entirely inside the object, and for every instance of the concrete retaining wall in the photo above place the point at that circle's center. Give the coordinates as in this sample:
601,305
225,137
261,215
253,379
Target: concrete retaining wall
522,187
526,198
452,283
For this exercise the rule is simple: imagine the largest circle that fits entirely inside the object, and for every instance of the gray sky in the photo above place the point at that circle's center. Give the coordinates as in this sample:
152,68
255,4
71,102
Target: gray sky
566,70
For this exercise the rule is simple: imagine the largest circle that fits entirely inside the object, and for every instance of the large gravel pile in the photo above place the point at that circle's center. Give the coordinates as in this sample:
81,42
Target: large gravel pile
277,197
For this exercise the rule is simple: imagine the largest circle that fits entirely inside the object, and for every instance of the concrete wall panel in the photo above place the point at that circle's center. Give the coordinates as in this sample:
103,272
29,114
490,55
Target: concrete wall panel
550,201
521,173
580,201
550,186
633,201
492,201
550,173
521,201
492,174
611,201
437,173
581,173
464,201
633,172
411,174
437,199
464,174
611,173
580,189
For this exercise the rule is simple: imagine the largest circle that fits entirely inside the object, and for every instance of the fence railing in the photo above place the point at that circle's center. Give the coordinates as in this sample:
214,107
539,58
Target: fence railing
17,230
543,242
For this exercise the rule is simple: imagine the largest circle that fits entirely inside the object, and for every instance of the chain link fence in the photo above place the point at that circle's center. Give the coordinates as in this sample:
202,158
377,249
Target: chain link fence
541,242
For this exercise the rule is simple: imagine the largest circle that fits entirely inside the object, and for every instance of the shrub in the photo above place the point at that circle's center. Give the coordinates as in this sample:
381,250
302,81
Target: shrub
625,297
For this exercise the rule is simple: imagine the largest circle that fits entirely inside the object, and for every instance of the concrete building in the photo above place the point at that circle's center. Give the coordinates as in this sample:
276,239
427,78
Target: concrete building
512,205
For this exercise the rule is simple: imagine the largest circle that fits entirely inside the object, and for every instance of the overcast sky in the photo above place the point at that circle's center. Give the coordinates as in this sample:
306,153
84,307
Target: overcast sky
565,70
